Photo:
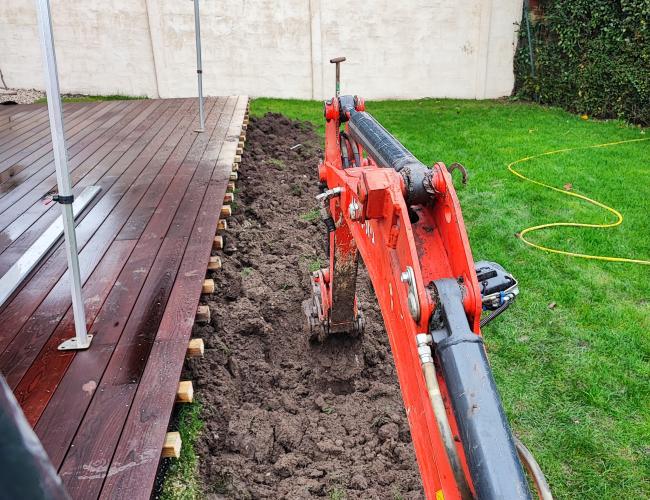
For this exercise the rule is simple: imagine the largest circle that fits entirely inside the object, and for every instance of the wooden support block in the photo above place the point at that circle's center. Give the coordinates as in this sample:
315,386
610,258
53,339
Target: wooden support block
231,187
226,212
242,137
195,348
202,314
172,446
214,264
222,225
240,146
240,151
233,176
185,392
237,159
244,126
235,167
208,286
217,243
229,197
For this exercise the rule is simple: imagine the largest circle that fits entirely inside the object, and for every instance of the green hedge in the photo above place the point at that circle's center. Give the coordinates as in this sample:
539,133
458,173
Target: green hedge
591,56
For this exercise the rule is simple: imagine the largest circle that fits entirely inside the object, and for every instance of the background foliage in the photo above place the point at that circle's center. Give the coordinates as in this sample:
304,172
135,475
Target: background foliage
591,56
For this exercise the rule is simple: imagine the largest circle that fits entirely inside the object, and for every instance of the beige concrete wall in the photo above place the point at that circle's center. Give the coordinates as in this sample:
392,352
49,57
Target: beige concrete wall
409,49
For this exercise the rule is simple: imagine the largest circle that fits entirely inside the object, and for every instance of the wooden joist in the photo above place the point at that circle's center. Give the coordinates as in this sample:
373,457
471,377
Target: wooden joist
222,225
214,264
208,286
229,198
237,158
233,176
226,211
231,187
185,392
172,446
202,314
195,348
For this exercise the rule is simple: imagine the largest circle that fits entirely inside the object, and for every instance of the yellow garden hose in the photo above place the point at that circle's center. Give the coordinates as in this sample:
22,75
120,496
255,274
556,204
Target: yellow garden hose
619,216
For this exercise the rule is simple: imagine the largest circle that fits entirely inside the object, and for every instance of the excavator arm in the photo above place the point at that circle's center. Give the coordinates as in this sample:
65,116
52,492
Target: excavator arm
404,220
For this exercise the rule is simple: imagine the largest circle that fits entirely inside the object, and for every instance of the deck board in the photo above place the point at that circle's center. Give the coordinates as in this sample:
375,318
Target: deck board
144,246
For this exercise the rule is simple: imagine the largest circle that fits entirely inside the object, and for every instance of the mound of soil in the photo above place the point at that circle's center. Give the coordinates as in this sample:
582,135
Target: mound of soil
285,418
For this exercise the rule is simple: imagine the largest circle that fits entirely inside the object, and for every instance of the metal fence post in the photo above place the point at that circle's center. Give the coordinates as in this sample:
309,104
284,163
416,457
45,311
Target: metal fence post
199,66
81,339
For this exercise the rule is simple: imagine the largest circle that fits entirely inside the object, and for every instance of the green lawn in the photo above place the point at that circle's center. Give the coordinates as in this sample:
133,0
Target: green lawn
575,379
94,98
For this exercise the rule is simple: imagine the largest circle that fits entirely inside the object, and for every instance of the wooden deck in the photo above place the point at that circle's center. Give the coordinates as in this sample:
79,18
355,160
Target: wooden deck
144,242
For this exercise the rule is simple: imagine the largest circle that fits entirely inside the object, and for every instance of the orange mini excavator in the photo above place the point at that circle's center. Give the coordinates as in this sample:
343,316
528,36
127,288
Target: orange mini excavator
404,219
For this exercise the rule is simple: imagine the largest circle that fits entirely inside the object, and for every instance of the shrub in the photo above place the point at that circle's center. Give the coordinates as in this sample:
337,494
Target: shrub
591,56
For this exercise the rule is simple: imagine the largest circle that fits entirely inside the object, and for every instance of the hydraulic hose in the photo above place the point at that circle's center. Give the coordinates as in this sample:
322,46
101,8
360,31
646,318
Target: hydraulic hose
438,406
495,313
535,471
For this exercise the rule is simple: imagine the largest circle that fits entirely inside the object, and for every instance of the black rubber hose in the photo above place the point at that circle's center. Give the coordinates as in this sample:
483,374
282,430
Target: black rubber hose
495,313
344,150
353,147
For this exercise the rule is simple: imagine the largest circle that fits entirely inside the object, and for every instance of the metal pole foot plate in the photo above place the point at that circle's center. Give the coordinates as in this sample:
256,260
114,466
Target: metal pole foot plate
73,345
199,130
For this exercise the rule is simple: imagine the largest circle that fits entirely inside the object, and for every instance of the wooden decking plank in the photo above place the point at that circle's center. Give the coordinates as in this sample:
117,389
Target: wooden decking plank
20,121
29,225
33,335
12,160
43,375
15,141
99,157
20,165
35,119
56,372
155,396
119,304
98,230
114,375
78,141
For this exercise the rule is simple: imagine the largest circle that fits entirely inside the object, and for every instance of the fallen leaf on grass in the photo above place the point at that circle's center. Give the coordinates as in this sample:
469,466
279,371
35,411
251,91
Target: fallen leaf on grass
552,305
568,186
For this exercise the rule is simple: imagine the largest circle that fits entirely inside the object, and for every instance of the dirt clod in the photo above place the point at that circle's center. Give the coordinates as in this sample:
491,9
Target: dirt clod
285,418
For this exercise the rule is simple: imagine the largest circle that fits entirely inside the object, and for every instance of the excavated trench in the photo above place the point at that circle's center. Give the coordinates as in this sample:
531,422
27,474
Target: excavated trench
285,418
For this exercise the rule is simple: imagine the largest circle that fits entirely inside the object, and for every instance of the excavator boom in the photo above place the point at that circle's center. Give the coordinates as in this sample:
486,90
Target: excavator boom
404,220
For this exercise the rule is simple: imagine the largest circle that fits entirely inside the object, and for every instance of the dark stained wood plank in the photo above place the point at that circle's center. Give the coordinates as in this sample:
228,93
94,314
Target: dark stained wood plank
128,361
29,342
55,372
41,161
35,129
20,126
104,145
21,234
145,245
67,400
14,158
98,230
145,428
77,140
21,120
45,373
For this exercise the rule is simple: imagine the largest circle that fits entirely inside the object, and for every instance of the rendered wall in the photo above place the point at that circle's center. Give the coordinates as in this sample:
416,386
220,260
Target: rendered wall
408,49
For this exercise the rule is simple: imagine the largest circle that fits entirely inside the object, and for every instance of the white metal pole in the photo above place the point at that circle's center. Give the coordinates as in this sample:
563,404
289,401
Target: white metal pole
199,66
81,339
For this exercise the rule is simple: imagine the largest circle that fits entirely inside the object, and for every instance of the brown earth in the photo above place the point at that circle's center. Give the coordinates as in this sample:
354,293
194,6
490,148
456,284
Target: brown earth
285,418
